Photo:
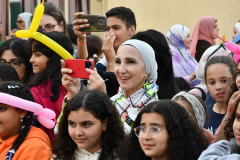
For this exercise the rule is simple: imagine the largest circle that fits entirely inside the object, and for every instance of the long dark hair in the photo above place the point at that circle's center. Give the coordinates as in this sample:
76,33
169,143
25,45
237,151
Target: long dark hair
53,72
100,105
20,48
186,140
24,93
8,73
165,79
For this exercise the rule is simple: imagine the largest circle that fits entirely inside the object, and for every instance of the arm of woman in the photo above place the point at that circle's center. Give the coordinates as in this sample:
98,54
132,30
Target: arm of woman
82,52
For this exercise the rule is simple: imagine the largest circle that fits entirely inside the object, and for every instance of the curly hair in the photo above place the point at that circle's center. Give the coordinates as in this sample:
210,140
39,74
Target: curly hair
24,93
229,126
53,72
100,105
186,140
123,13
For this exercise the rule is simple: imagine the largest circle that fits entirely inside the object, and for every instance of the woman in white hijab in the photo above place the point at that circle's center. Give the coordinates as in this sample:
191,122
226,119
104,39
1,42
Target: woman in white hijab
23,21
136,72
179,41
236,29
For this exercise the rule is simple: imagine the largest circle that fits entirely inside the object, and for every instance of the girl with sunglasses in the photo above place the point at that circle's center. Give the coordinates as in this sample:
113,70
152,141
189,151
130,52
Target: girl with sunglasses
163,130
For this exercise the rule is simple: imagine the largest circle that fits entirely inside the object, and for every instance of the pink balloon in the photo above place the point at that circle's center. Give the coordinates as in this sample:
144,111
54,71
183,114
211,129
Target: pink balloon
45,115
46,122
48,113
235,49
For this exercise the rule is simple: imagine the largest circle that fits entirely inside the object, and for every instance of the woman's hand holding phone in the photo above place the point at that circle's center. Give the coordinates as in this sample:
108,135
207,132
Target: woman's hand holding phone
77,27
96,81
71,84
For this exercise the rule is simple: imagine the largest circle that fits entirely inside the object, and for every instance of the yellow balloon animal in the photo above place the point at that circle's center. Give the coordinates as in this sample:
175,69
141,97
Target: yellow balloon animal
32,33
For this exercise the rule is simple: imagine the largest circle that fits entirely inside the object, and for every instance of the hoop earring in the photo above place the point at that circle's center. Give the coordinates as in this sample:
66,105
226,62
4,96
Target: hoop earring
21,119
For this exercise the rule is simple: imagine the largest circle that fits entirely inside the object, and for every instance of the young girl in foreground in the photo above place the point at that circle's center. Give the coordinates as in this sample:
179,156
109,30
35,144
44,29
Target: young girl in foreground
89,128
46,85
219,72
227,150
18,140
163,130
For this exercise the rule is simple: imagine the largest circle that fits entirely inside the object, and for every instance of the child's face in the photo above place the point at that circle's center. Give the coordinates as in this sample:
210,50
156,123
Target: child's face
39,62
236,126
238,77
118,27
154,147
218,81
10,124
85,130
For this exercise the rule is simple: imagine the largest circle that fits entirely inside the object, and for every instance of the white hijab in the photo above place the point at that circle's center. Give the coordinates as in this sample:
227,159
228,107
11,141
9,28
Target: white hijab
237,25
148,57
26,18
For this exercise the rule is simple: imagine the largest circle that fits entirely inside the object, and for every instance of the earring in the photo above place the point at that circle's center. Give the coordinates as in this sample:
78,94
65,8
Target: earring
21,119
145,78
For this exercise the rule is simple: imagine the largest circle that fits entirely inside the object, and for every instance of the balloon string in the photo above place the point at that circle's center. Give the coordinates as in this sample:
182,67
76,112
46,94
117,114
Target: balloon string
219,38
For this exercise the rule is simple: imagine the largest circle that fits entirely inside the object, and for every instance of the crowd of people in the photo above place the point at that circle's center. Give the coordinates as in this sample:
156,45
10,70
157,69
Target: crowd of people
150,95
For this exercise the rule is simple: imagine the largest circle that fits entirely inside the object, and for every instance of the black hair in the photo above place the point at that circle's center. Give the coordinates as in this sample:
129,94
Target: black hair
100,105
55,12
24,93
186,140
8,73
163,56
229,126
71,34
53,72
94,46
124,14
223,60
20,48
181,84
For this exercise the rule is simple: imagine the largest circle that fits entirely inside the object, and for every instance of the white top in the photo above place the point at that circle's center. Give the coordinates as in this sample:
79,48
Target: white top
83,154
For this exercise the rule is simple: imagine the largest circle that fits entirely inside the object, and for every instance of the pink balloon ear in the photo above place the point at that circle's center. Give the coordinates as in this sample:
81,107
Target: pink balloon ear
46,122
233,47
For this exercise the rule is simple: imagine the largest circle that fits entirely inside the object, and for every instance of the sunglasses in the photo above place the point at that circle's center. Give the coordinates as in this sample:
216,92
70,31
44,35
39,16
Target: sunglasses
223,45
20,21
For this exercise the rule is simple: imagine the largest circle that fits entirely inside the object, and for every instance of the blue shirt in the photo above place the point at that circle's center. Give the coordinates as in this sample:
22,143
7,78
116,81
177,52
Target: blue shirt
215,120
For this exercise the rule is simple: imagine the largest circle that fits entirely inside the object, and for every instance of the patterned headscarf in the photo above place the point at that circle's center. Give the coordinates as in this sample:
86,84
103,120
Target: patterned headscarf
196,105
183,63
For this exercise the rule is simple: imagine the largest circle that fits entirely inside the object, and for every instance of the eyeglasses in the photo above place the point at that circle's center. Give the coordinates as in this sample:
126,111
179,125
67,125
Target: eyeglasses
223,45
15,64
152,131
20,21
48,28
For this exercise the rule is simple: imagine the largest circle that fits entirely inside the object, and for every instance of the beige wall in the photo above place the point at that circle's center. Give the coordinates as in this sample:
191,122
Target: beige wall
162,14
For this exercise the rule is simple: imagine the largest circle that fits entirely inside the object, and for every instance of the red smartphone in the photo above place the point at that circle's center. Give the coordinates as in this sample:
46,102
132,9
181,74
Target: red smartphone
78,67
